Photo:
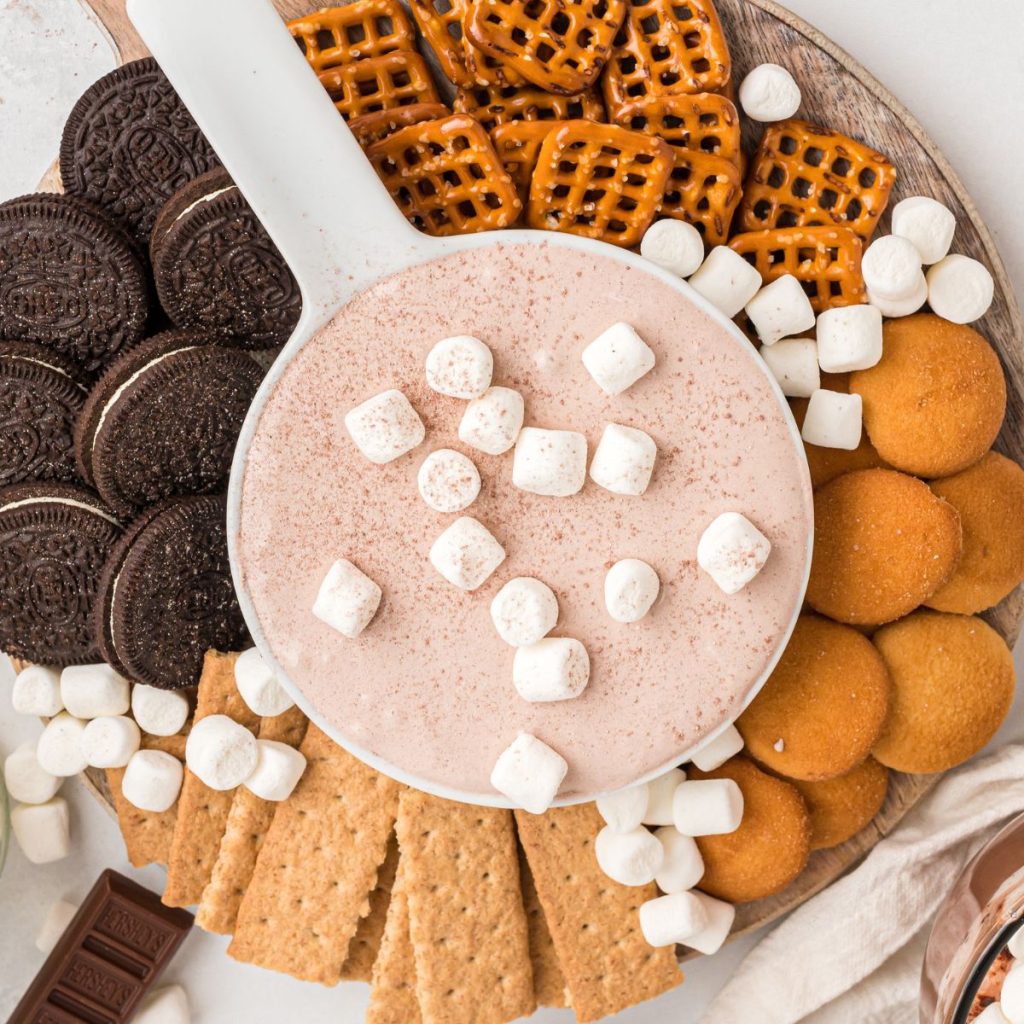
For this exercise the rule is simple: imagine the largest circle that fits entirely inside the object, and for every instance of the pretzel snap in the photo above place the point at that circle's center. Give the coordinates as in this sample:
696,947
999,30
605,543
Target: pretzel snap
518,146
392,80
493,105
371,128
704,122
341,35
446,177
704,190
825,260
601,181
803,175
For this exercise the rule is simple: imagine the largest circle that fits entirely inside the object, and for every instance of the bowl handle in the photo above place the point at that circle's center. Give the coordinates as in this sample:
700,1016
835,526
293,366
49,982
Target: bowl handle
280,137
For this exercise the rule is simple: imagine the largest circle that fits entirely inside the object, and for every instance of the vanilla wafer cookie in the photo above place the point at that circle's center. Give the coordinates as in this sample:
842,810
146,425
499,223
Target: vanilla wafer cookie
393,998
548,979
365,946
317,866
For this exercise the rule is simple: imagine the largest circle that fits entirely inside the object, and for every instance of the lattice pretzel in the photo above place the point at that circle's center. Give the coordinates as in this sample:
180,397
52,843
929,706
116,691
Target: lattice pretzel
446,177
494,105
559,45
393,80
371,128
340,35
704,190
704,122
804,175
518,146
441,22
667,47
825,260
601,181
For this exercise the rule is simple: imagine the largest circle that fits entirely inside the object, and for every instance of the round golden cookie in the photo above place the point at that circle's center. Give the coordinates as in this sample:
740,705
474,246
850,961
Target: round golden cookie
990,499
935,403
841,807
953,683
771,846
823,708
883,545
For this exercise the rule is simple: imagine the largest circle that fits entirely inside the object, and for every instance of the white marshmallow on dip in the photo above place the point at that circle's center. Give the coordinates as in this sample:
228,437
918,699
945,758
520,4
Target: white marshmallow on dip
385,427
529,773
460,367
630,589
448,481
552,463
618,358
732,551
466,553
348,599
491,423
555,668
524,611
624,460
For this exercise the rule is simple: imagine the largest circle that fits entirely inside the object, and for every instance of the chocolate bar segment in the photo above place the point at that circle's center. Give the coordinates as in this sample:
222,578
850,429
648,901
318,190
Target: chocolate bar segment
108,959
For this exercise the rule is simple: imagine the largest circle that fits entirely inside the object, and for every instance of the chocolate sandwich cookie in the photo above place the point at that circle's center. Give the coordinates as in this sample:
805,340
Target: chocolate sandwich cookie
130,144
216,267
70,279
40,396
167,596
55,540
164,419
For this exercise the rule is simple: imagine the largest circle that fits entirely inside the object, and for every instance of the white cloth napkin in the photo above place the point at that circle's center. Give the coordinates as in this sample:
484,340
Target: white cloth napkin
853,954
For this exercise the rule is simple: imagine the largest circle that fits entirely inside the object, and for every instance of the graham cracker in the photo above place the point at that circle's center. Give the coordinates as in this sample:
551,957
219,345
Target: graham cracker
466,917
365,945
393,998
318,866
244,832
548,980
594,921
203,812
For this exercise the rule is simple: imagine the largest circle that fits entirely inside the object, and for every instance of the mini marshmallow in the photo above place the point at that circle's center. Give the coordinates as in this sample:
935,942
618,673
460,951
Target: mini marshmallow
927,223
629,858
448,481
94,691
891,266
347,600
682,866
991,1015
58,917
794,364
849,338
278,770
720,920
460,367
259,687
466,553
37,692
1011,998
769,93
618,358
550,462
59,749
672,919
707,807
220,752
110,742
732,551
160,712
1016,944
833,420
960,289
624,809
555,668
529,773
725,745
43,831
385,427
660,794
168,1005
726,280
624,460
894,308
26,780
491,423
524,611
780,310
152,781
630,589
674,246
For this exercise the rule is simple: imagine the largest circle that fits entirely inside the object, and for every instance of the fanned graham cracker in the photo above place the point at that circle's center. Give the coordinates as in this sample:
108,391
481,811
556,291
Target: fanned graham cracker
318,866
203,812
393,997
466,919
548,980
594,921
244,832
365,945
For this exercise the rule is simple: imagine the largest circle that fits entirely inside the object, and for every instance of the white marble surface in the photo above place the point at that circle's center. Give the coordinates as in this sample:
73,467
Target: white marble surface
963,79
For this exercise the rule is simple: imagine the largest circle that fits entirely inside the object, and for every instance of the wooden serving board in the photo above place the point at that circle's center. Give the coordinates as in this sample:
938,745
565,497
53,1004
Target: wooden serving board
840,94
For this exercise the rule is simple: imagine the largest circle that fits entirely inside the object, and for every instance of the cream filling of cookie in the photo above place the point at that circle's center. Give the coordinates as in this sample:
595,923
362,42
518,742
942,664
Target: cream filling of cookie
208,198
70,502
50,366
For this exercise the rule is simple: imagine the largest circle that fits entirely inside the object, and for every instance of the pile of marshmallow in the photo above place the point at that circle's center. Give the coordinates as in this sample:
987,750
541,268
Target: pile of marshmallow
1010,1007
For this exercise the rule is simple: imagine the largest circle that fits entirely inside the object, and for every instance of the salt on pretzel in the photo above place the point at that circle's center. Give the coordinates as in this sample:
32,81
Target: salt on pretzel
518,146
493,105
803,175
371,128
446,177
600,181
667,47
704,122
392,80
704,190
560,45
825,260
340,35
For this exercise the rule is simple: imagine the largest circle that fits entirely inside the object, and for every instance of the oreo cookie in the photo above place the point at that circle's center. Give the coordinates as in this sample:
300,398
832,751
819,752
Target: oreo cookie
55,540
69,279
216,267
164,419
166,595
130,144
